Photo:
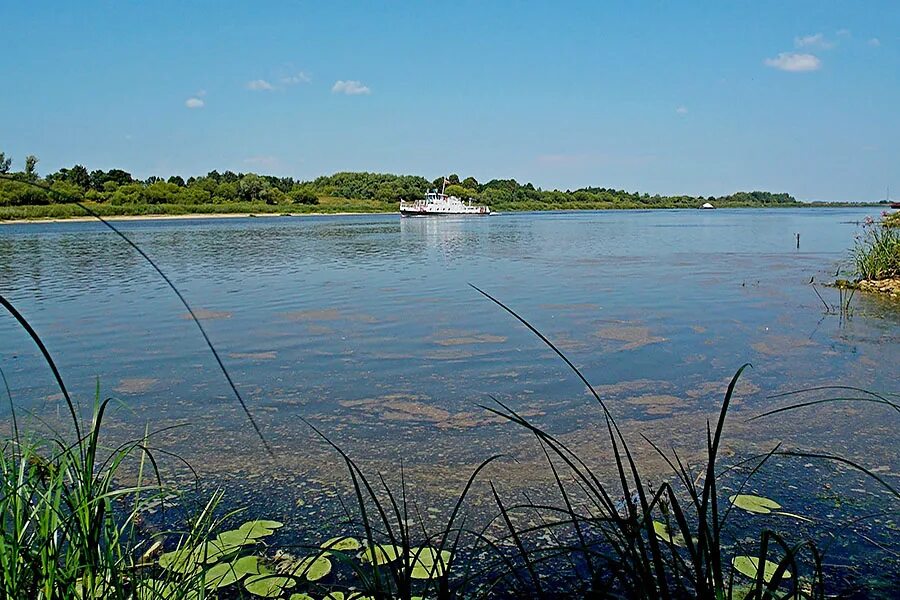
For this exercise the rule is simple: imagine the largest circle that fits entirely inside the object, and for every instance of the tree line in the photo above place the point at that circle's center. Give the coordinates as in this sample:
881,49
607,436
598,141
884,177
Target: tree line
119,187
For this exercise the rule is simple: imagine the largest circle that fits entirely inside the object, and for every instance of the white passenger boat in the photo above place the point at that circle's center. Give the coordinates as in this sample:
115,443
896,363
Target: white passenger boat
435,203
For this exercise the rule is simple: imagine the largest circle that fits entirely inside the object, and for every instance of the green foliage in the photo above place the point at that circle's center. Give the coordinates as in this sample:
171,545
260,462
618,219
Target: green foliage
119,188
5,163
31,162
303,195
877,251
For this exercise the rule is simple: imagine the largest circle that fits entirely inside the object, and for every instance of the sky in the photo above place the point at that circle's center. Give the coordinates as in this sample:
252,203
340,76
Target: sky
700,98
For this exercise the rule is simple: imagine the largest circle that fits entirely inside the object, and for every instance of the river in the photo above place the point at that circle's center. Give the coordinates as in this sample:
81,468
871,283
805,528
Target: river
367,327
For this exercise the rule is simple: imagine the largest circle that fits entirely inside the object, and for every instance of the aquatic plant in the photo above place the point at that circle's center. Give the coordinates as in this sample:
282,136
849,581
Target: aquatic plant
877,252
610,536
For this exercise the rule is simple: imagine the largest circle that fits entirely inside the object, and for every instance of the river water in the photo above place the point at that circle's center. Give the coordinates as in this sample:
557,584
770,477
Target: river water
367,327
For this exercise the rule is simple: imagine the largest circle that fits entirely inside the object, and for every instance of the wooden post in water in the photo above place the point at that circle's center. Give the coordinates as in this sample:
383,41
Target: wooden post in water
798,241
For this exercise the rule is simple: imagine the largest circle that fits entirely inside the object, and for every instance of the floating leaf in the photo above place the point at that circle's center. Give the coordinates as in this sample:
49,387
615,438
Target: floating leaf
234,538
84,591
301,597
267,585
154,589
313,568
381,554
427,563
749,566
754,504
739,592
224,574
215,551
259,528
663,533
182,560
334,596
342,544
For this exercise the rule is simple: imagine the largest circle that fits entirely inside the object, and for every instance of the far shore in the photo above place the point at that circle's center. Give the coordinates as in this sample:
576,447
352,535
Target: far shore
179,217
167,217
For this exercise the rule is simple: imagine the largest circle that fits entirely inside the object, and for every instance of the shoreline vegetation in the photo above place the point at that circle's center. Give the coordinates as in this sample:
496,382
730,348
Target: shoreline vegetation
27,196
876,258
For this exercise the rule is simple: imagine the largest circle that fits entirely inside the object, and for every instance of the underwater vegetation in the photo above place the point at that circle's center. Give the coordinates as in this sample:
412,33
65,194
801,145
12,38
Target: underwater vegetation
70,527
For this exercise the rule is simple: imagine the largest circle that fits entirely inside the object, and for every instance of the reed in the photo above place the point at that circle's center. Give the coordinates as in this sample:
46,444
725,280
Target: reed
877,252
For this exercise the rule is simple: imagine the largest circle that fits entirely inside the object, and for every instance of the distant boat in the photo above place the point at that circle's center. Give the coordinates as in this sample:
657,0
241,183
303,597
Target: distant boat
707,206
887,198
437,204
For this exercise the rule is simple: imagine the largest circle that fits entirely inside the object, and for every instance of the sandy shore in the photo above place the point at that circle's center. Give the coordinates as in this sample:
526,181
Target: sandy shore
179,217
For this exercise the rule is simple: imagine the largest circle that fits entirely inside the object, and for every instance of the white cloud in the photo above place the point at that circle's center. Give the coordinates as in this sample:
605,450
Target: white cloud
351,88
194,103
843,32
682,110
794,62
300,77
813,41
875,42
260,85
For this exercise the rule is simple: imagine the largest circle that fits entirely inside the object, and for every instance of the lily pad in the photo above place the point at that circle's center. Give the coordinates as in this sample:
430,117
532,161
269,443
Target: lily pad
235,537
301,597
342,544
224,574
749,566
268,586
313,568
259,528
663,533
182,560
84,591
427,563
381,554
215,551
754,504
154,589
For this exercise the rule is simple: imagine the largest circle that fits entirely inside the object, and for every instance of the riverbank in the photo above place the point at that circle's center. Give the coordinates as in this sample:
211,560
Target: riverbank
58,213
155,217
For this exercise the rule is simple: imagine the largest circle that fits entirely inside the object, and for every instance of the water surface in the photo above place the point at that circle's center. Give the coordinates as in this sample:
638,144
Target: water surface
367,327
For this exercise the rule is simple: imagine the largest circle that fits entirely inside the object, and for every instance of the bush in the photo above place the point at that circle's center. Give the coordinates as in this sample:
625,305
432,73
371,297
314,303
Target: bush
303,196
877,252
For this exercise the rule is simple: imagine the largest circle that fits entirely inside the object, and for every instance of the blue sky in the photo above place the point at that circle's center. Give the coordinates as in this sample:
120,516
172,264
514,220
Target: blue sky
663,97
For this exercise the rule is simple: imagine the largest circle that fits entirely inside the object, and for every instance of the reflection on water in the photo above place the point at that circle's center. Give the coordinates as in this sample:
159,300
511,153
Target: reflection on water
366,325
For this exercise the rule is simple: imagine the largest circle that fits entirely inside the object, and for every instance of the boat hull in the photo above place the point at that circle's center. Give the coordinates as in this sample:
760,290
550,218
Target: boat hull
424,213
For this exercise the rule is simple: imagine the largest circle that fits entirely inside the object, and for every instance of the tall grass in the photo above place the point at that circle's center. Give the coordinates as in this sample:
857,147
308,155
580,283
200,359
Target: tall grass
68,529
877,252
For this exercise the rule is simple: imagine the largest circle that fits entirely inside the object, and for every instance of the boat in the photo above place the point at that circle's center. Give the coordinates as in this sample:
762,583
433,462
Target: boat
706,206
887,199
438,203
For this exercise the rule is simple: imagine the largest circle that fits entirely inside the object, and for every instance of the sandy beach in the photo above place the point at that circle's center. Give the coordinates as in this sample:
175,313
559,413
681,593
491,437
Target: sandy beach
180,217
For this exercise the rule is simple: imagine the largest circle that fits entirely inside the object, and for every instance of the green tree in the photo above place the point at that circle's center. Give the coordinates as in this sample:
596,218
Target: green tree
31,162
5,163
302,195
177,180
79,176
251,187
